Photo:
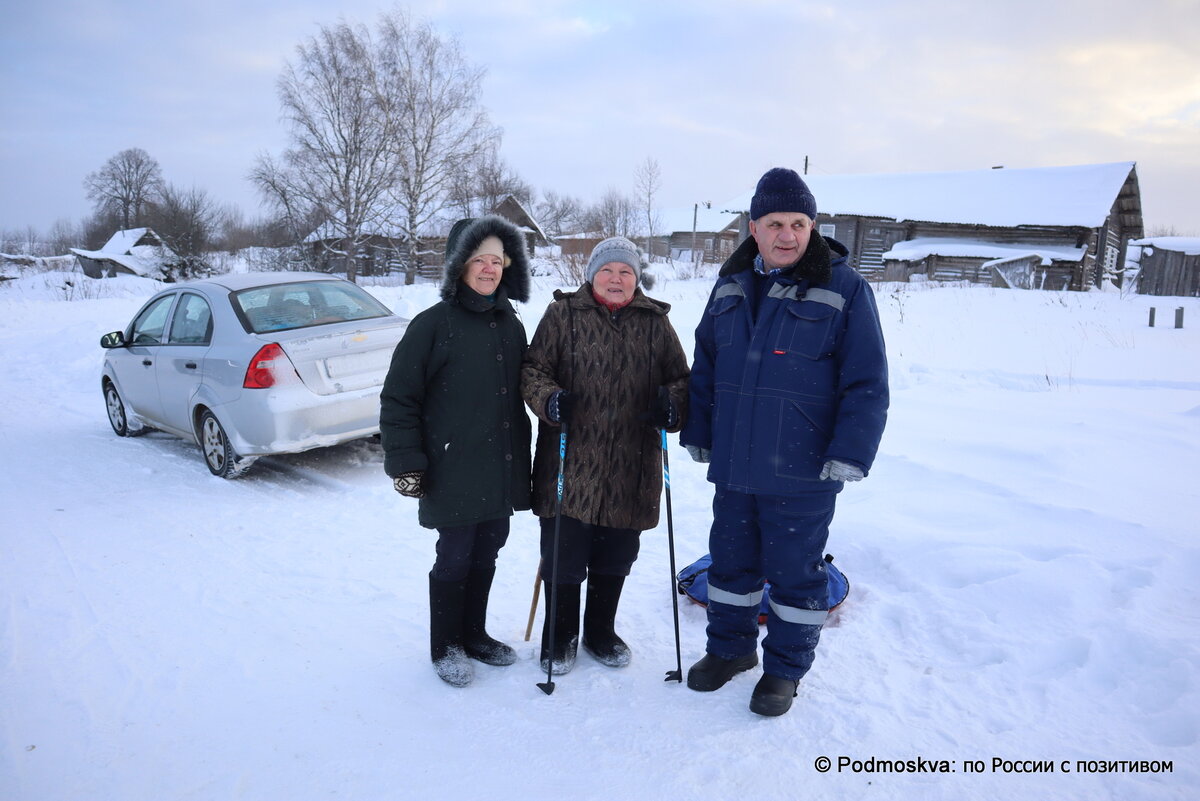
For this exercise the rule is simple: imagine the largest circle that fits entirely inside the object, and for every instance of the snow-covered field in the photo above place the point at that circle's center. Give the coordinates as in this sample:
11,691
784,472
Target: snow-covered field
1023,564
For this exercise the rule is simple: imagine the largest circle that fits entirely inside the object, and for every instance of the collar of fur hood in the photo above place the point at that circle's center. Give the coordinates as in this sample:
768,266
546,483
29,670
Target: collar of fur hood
816,264
516,275
584,298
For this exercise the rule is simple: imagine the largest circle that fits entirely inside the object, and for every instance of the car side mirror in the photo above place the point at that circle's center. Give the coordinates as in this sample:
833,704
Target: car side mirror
114,339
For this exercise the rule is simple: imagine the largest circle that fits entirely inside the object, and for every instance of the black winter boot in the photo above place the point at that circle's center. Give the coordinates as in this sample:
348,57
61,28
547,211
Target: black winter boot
566,629
599,620
445,632
476,642
712,672
772,695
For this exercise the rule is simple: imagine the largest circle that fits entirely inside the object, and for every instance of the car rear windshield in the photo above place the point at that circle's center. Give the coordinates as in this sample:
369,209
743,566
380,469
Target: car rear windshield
280,307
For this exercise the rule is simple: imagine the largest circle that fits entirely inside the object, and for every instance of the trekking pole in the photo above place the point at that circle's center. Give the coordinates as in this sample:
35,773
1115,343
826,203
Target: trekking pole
548,686
677,673
537,586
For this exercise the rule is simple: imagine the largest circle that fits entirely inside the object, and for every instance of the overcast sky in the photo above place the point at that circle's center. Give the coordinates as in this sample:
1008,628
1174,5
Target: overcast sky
716,92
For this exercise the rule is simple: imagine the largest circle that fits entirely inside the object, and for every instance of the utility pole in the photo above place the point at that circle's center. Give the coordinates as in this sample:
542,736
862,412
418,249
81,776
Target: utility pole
695,212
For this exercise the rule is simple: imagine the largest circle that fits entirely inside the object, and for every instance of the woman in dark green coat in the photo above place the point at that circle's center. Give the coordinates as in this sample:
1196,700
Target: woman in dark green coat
456,435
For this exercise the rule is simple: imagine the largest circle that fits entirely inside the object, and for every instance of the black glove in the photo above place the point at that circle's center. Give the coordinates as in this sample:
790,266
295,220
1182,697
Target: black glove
410,485
560,407
661,413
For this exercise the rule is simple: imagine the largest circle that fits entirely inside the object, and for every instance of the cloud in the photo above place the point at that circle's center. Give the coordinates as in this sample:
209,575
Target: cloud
585,90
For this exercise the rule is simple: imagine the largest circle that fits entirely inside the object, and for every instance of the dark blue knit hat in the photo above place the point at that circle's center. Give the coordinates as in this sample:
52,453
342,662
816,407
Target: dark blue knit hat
781,189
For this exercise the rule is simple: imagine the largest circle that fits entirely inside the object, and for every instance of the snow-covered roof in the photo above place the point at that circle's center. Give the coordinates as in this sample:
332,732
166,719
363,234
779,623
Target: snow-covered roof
1189,245
381,228
1080,195
122,242
581,235
922,247
715,217
122,248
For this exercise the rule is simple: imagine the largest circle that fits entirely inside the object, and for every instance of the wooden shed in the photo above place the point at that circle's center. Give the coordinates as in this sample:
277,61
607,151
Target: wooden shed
515,212
1168,265
133,251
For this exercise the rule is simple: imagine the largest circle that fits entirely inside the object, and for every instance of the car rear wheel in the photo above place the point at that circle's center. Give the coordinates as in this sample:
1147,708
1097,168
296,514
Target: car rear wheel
117,417
219,455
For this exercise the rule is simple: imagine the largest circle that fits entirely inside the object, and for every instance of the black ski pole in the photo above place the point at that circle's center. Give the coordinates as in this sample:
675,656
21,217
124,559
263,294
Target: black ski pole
548,686
677,673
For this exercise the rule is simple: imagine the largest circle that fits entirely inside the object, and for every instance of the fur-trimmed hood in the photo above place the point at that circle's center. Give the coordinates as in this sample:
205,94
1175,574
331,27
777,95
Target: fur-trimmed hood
816,264
466,235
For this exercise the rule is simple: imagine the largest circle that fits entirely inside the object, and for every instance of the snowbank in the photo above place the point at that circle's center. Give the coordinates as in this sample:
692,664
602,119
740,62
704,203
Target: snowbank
1022,612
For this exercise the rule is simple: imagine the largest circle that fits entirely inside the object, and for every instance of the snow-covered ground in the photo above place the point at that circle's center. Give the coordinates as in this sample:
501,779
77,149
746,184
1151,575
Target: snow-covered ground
1023,564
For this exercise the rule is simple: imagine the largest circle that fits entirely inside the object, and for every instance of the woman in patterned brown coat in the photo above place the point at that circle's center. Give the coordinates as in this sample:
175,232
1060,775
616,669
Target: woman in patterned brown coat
606,362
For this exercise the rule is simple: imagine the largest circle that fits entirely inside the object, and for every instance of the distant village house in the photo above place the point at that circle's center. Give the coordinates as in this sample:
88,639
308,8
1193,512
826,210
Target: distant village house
1050,227
384,249
134,251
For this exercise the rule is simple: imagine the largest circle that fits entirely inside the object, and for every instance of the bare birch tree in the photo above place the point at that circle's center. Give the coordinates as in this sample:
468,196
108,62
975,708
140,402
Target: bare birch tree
433,94
125,185
379,123
647,180
614,215
340,163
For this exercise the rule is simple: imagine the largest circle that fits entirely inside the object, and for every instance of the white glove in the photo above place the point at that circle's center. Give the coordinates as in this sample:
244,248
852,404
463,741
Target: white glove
840,471
698,454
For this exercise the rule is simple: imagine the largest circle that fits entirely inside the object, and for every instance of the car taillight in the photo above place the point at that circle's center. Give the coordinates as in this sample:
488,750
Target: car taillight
262,372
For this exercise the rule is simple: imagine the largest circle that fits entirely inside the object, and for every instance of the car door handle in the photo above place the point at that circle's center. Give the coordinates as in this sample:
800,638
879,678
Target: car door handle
147,362
190,365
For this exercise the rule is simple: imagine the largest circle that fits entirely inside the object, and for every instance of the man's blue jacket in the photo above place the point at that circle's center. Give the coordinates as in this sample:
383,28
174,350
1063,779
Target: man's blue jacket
789,374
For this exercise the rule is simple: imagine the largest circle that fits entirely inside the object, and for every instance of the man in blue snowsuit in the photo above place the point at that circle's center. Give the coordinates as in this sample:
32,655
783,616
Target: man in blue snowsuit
789,397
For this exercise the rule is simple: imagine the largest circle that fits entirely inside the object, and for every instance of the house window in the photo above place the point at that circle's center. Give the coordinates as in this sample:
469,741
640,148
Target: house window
827,230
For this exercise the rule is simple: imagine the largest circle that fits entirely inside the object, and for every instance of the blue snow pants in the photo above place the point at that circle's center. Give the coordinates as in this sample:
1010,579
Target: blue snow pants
777,539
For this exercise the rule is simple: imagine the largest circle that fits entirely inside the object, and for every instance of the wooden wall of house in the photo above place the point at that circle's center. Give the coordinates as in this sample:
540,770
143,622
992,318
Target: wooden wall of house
100,268
716,247
377,255
1169,272
940,268
1015,273
1059,276
579,246
1112,240
90,267
867,238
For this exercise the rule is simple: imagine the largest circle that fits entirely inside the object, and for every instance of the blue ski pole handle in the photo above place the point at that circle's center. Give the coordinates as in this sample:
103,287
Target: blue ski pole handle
562,456
666,468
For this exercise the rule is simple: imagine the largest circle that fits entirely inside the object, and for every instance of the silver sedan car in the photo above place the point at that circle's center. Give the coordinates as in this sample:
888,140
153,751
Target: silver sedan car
252,364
